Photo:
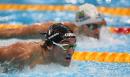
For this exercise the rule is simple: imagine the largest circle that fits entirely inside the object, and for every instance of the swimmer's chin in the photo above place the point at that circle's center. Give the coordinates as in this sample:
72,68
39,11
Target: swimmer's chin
66,63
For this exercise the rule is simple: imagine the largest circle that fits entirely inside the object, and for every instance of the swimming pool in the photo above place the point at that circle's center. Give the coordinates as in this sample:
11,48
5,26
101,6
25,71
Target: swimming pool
109,42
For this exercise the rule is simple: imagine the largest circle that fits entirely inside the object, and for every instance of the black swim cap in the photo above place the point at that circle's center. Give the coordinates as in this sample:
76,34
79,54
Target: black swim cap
57,32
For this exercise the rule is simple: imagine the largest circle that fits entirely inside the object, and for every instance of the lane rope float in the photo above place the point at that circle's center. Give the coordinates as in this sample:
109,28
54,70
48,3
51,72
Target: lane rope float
102,56
104,10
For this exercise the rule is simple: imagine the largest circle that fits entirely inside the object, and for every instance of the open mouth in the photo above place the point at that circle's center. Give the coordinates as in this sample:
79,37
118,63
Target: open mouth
68,57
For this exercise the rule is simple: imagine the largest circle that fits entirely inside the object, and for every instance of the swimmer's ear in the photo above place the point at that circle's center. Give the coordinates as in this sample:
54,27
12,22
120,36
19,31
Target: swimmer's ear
49,47
43,35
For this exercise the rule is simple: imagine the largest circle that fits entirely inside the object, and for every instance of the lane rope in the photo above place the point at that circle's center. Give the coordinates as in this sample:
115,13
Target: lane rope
120,30
105,10
102,57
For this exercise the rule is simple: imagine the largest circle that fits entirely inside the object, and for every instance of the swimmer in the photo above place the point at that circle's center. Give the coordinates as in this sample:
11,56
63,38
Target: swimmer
57,47
89,20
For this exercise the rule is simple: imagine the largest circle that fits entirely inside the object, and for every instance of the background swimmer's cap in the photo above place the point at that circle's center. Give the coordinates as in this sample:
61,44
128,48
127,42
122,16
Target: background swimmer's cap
58,32
87,14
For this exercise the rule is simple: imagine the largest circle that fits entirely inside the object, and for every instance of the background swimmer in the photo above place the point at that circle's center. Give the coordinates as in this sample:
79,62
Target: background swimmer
88,22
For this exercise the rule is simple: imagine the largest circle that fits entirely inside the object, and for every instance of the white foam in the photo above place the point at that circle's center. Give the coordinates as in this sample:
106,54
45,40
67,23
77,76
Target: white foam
106,39
6,42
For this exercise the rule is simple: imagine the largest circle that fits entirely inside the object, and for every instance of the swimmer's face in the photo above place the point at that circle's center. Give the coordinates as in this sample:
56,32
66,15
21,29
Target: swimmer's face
91,30
64,50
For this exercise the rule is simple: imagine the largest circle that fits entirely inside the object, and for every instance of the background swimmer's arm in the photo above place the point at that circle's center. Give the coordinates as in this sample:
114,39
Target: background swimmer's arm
103,22
28,30
72,26
31,30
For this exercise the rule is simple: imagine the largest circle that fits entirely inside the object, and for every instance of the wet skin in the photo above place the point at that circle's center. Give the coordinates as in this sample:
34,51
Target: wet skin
61,56
30,53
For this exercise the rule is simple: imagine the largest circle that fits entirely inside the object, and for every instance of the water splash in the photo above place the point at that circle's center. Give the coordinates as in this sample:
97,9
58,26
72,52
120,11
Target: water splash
76,69
106,40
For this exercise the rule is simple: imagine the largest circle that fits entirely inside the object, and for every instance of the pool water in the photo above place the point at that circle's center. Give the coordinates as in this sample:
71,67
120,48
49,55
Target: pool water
109,41
76,69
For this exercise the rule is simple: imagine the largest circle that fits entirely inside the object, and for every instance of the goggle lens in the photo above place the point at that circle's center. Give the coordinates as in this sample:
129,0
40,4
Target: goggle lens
65,46
93,26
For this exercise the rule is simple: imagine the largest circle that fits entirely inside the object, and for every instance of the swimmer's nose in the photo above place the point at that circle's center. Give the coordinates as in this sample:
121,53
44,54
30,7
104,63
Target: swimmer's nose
70,51
68,57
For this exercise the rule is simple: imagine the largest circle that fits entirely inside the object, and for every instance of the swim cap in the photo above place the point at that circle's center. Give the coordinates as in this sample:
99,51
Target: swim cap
87,14
58,32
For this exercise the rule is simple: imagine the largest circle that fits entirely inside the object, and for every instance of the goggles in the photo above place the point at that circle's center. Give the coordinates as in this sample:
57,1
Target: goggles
65,46
93,26
80,16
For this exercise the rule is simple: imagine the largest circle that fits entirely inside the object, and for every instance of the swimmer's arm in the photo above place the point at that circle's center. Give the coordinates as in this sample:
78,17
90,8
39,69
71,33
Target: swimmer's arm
5,54
72,26
19,51
36,56
35,62
2,53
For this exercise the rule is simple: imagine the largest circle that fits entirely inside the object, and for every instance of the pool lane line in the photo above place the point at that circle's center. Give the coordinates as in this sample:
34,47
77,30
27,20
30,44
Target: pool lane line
102,57
116,30
117,11
119,30
114,11
38,7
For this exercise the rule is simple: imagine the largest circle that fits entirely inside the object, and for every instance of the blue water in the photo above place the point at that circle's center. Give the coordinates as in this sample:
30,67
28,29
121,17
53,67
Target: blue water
77,69
109,42
109,3
29,17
